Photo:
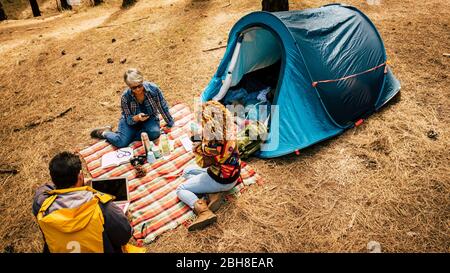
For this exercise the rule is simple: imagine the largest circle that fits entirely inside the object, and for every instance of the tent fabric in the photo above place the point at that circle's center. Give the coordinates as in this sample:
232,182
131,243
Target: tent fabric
258,55
330,42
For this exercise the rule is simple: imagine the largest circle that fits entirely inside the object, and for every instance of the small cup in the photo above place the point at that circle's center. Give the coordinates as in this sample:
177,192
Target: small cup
156,152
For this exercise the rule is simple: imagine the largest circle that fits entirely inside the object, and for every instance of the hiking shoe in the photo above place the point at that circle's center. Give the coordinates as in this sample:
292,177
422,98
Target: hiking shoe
205,216
215,200
97,132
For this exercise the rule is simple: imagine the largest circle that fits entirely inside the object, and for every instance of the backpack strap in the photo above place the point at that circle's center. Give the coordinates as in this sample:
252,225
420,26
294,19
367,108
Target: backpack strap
45,205
103,197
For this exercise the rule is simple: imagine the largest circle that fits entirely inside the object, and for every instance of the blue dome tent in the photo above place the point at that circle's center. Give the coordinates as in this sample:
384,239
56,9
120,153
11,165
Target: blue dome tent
331,72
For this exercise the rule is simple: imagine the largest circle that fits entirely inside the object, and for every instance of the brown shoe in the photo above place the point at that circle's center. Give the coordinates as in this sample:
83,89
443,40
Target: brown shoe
215,200
97,132
205,216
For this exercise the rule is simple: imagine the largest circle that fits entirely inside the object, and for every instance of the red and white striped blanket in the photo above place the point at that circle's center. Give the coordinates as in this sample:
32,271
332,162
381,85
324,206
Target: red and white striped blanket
155,207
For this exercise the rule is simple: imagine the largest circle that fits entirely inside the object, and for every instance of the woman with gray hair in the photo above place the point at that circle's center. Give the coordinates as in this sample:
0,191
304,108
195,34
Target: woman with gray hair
141,103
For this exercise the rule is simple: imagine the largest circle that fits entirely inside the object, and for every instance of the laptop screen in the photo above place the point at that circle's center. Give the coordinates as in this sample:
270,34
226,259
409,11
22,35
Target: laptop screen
116,186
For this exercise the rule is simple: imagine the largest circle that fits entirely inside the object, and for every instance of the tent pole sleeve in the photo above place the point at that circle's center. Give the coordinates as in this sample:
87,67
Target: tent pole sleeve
227,82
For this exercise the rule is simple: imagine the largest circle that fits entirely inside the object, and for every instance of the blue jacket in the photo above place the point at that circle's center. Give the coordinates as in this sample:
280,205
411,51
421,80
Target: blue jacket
154,103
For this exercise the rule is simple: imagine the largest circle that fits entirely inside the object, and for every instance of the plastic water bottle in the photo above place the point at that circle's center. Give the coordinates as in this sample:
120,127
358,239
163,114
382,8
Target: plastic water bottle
195,132
164,145
156,152
151,157
195,129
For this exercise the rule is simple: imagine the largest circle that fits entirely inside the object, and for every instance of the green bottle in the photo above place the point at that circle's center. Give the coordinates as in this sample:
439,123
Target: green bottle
164,145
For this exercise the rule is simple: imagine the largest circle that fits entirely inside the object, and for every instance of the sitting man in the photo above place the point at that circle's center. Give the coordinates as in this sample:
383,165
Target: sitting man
74,217
141,103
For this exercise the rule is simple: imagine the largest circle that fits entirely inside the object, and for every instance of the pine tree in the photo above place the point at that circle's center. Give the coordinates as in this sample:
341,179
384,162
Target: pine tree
2,13
35,8
65,5
127,3
275,5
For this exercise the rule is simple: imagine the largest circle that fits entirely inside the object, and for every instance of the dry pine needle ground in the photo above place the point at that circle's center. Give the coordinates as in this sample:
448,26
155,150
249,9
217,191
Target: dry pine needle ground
387,180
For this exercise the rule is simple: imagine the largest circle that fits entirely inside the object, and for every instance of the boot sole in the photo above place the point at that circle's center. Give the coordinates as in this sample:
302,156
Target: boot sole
99,136
202,224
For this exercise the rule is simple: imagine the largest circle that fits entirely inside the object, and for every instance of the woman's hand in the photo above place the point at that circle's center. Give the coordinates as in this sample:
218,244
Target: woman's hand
140,117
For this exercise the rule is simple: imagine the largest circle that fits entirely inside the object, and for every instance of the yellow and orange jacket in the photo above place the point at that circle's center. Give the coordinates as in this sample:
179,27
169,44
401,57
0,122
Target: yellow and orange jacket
80,220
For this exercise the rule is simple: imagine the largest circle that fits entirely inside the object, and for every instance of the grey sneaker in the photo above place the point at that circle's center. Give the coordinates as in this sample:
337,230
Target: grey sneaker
97,132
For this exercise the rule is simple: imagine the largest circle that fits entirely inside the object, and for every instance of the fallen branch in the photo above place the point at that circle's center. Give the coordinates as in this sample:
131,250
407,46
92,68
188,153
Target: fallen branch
107,26
140,19
214,48
34,28
13,171
29,29
34,124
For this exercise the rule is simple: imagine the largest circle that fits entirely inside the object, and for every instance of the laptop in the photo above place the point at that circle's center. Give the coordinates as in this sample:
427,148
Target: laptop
116,186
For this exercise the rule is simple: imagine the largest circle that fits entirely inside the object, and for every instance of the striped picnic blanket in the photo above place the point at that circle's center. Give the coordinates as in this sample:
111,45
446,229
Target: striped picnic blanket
155,207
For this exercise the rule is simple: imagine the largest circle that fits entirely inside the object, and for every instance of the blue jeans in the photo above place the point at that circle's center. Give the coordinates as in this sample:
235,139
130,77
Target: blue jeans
126,134
200,182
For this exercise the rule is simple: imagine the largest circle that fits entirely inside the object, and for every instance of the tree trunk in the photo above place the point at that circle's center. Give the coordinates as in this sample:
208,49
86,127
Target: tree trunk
97,2
65,5
2,13
275,5
35,8
127,3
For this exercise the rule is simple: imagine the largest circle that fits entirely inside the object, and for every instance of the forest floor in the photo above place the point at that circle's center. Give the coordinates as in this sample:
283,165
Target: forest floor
386,180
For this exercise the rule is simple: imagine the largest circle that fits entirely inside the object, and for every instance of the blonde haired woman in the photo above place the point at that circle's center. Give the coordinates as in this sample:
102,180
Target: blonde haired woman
218,152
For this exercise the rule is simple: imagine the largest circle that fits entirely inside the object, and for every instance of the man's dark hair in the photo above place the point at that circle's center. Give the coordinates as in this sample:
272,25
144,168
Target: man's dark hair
64,169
